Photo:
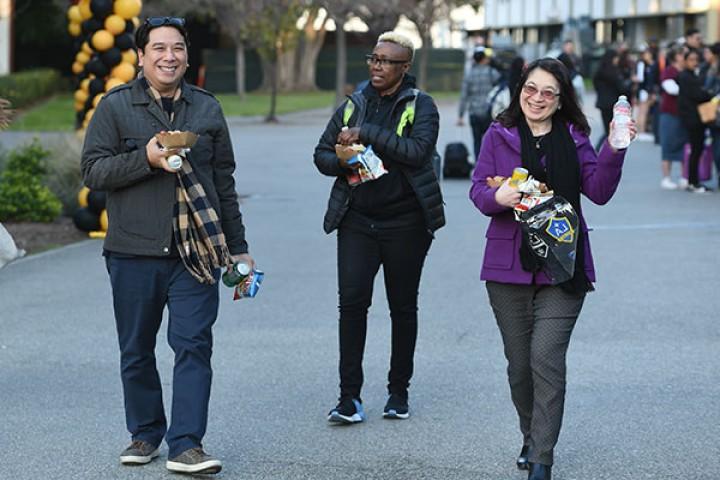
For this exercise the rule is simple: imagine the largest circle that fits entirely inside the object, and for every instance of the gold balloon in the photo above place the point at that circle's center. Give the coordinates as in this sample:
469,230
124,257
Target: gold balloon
87,48
79,106
83,197
123,71
136,21
85,84
74,15
82,57
112,83
104,220
127,9
89,114
129,56
103,40
115,24
81,96
74,29
77,68
97,99
84,7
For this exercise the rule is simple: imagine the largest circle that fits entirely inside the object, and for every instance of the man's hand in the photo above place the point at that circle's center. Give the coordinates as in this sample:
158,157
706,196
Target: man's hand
157,157
244,258
506,195
349,136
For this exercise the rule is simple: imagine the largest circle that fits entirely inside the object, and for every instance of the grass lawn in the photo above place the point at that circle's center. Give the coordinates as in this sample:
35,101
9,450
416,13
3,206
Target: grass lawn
57,115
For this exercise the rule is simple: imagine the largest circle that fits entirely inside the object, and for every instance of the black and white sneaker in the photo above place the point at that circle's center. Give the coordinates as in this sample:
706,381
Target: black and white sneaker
396,407
348,411
194,460
139,453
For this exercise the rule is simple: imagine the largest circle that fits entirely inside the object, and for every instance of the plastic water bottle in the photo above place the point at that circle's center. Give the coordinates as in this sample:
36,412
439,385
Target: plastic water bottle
622,114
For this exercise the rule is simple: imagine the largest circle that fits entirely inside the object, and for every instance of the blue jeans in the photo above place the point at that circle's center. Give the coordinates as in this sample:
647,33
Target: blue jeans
142,287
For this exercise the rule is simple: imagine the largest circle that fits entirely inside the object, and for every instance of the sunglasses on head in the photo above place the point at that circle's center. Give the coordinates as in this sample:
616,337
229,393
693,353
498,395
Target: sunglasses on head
160,21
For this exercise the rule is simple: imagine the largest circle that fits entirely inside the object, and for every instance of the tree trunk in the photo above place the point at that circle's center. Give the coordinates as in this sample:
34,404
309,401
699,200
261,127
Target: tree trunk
287,77
341,62
424,56
309,52
271,117
240,69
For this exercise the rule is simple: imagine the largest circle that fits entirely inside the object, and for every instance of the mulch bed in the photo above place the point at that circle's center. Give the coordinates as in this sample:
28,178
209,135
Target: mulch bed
36,237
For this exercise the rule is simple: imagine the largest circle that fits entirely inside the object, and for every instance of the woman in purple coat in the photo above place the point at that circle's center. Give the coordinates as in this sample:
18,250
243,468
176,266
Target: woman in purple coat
545,131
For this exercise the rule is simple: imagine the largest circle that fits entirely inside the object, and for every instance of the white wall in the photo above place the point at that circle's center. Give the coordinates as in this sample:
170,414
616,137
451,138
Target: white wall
4,37
511,13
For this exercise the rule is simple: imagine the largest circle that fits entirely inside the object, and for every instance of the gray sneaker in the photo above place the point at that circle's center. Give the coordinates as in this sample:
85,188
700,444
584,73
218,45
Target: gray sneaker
139,453
194,460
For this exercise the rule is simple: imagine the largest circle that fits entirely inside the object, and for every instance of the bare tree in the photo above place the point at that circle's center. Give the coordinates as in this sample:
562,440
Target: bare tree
311,43
424,14
340,12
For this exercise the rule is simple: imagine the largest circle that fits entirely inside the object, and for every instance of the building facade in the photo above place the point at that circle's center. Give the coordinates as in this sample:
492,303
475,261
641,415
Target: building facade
535,26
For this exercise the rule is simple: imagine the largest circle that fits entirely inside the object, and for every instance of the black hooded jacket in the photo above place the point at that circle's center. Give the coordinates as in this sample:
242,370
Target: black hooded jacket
407,157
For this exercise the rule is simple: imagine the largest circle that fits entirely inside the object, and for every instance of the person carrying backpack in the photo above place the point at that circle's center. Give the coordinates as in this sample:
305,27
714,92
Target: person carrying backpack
477,84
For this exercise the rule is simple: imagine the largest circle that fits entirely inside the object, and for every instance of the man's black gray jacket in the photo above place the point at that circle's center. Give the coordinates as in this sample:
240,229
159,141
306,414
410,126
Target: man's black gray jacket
141,199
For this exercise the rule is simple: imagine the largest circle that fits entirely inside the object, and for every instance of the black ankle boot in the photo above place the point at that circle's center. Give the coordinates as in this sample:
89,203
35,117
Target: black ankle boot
522,461
538,471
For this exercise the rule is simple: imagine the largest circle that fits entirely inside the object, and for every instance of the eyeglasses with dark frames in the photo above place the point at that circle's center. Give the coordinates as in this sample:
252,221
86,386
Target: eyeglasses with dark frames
547,94
161,21
383,62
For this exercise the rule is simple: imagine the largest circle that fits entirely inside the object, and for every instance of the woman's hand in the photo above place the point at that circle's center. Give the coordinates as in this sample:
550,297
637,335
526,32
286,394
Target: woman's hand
632,127
349,136
506,195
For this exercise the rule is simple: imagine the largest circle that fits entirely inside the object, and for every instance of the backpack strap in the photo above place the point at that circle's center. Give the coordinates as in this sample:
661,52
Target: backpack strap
408,115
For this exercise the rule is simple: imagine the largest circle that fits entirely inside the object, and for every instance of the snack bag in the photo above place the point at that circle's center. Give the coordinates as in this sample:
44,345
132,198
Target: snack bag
371,167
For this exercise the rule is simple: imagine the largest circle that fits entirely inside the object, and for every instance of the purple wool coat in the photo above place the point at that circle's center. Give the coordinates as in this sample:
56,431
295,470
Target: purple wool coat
499,155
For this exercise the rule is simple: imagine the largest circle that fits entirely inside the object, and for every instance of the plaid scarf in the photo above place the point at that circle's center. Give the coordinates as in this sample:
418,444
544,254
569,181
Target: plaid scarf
197,229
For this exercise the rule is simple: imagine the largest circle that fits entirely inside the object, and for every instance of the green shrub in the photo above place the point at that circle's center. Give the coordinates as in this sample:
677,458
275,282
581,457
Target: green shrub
23,197
64,177
27,87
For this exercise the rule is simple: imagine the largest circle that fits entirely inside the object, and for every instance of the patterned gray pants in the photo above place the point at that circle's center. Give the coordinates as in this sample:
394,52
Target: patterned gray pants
536,322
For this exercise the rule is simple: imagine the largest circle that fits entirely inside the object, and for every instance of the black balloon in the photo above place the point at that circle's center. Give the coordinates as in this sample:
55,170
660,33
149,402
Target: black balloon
97,85
91,26
124,41
97,67
111,57
101,8
96,201
86,220
129,26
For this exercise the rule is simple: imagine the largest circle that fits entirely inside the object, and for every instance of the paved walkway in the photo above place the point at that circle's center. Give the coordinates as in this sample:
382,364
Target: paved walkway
643,380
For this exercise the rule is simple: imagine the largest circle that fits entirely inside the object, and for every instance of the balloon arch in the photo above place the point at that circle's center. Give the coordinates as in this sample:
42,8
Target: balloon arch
105,58
104,42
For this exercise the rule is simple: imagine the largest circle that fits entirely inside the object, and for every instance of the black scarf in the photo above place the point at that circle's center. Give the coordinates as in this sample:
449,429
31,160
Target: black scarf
561,173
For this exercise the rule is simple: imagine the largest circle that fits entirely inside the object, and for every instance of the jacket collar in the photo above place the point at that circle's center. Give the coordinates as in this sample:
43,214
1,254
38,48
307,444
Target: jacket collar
511,136
140,96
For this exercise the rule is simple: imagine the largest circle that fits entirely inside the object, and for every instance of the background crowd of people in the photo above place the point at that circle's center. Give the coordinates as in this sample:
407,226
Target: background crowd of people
665,85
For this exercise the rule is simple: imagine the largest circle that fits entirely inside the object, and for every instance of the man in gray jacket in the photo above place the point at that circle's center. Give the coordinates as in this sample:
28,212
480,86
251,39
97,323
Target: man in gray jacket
478,82
156,254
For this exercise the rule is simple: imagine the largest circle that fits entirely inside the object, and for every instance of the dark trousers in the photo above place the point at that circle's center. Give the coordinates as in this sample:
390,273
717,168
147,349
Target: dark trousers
479,126
696,137
536,323
141,288
361,251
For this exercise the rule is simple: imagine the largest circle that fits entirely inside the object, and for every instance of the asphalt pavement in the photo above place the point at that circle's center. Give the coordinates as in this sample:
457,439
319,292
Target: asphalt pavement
643,379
